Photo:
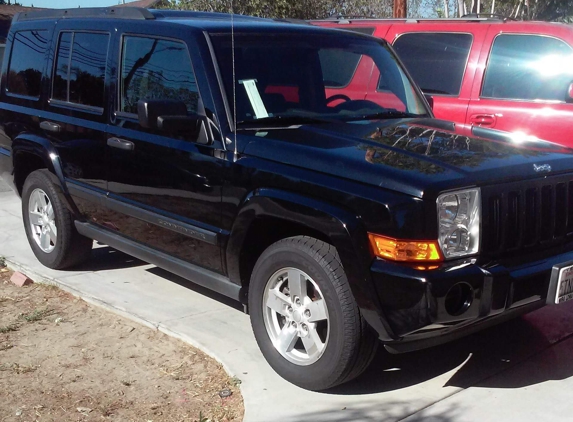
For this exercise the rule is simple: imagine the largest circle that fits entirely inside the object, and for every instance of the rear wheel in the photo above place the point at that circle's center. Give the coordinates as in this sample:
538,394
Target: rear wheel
304,316
49,224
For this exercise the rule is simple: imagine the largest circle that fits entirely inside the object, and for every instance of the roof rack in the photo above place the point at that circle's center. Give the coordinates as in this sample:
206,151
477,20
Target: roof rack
488,16
341,16
481,17
87,12
174,13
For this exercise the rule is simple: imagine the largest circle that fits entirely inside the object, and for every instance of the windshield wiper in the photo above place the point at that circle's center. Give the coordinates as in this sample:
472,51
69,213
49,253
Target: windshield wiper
280,121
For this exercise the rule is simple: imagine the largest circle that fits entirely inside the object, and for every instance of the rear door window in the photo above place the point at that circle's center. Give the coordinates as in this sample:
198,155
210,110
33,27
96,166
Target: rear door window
528,67
79,73
27,63
436,61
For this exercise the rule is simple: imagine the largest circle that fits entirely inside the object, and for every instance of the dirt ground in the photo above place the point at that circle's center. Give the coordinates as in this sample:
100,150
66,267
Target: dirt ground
64,360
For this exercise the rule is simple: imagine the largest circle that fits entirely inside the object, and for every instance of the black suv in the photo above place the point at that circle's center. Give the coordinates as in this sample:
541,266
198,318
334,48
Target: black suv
209,146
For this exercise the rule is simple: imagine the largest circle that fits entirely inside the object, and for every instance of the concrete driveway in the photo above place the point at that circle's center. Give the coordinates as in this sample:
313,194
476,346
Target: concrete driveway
517,371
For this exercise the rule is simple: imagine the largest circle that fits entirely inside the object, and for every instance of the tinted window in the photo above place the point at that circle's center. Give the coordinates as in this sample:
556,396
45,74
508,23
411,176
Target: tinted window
82,79
528,67
283,77
27,62
2,48
338,67
436,61
156,69
60,90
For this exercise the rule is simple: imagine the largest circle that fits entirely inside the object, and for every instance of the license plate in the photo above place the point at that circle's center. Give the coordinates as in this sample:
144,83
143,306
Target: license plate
564,290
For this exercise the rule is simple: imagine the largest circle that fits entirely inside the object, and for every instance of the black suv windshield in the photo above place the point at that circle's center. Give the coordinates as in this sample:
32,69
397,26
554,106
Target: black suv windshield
289,78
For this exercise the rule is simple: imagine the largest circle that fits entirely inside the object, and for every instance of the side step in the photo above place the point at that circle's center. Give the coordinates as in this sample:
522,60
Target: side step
193,273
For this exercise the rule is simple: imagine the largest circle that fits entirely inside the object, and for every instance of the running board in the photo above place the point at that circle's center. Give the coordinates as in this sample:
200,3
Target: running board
193,273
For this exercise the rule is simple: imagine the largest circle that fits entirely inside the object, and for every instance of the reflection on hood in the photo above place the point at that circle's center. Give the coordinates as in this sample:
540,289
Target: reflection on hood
438,146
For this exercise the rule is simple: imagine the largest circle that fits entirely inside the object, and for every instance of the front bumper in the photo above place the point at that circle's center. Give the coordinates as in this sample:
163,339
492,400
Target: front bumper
423,307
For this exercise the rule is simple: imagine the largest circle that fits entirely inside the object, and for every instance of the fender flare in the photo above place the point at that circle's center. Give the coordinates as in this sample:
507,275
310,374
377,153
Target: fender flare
343,227
40,147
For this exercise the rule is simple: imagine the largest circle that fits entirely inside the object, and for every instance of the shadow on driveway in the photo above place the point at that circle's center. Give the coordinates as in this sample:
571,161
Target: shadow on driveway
196,288
479,356
380,412
105,258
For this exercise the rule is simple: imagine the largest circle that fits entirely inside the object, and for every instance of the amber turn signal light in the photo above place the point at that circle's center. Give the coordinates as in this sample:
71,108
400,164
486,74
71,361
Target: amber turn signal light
405,250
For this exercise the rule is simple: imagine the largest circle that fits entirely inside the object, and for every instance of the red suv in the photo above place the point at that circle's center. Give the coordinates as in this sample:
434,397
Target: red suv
509,75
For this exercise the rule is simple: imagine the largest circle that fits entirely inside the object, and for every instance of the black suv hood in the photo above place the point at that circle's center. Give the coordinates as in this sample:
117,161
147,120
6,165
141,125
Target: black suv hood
414,156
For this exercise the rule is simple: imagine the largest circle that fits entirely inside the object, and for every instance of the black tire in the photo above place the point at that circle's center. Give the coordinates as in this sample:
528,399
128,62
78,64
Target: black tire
70,248
351,343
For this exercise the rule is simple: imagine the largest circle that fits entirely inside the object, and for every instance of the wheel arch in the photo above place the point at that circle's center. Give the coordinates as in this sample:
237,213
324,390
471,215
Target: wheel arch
31,153
268,215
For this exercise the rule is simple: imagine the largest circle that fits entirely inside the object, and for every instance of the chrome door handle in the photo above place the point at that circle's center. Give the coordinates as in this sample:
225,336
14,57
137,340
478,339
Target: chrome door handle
50,126
121,144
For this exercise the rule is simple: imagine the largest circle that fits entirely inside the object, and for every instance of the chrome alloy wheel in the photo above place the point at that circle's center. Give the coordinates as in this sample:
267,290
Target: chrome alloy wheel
42,220
296,316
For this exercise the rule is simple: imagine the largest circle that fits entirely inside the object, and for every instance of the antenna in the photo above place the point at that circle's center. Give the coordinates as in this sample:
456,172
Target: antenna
234,77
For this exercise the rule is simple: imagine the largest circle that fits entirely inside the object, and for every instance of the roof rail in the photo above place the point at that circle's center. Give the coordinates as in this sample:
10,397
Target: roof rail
87,12
341,16
488,16
173,13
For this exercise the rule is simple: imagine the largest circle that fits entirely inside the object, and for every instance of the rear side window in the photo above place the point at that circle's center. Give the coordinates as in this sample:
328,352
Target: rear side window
528,67
79,73
27,63
436,61
156,69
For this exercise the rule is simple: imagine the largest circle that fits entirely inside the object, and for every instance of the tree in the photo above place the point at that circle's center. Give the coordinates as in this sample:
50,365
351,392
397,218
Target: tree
548,10
400,9
294,9
561,10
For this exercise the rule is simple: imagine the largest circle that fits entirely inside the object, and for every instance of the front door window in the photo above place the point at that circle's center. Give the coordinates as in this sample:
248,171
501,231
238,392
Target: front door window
155,69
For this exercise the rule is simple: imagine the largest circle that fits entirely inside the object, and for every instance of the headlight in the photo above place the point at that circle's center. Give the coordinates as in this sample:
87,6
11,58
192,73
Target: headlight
459,222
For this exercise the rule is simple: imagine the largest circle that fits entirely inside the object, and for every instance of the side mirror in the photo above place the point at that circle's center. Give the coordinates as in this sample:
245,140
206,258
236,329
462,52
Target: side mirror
171,116
430,100
569,96
149,110
192,125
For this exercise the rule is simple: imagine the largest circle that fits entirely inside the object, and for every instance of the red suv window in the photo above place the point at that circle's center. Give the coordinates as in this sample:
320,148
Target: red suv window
436,60
528,67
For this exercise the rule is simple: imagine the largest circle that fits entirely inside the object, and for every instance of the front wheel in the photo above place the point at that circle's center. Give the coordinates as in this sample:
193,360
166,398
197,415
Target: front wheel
49,224
304,316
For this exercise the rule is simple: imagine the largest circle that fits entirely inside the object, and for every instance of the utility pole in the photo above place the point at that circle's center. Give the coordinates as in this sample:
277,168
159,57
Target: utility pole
400,9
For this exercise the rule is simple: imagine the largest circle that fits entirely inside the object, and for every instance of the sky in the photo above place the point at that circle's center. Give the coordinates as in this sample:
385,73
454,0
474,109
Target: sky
66,4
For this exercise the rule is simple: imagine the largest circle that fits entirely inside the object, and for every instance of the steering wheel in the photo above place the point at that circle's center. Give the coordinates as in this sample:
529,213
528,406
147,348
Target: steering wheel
335,97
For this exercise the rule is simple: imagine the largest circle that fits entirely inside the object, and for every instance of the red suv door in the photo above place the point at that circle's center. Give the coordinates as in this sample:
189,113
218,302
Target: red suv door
442,59
522,85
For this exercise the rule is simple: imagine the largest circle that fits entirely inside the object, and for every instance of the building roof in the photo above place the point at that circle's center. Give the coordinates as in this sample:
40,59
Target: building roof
140,3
